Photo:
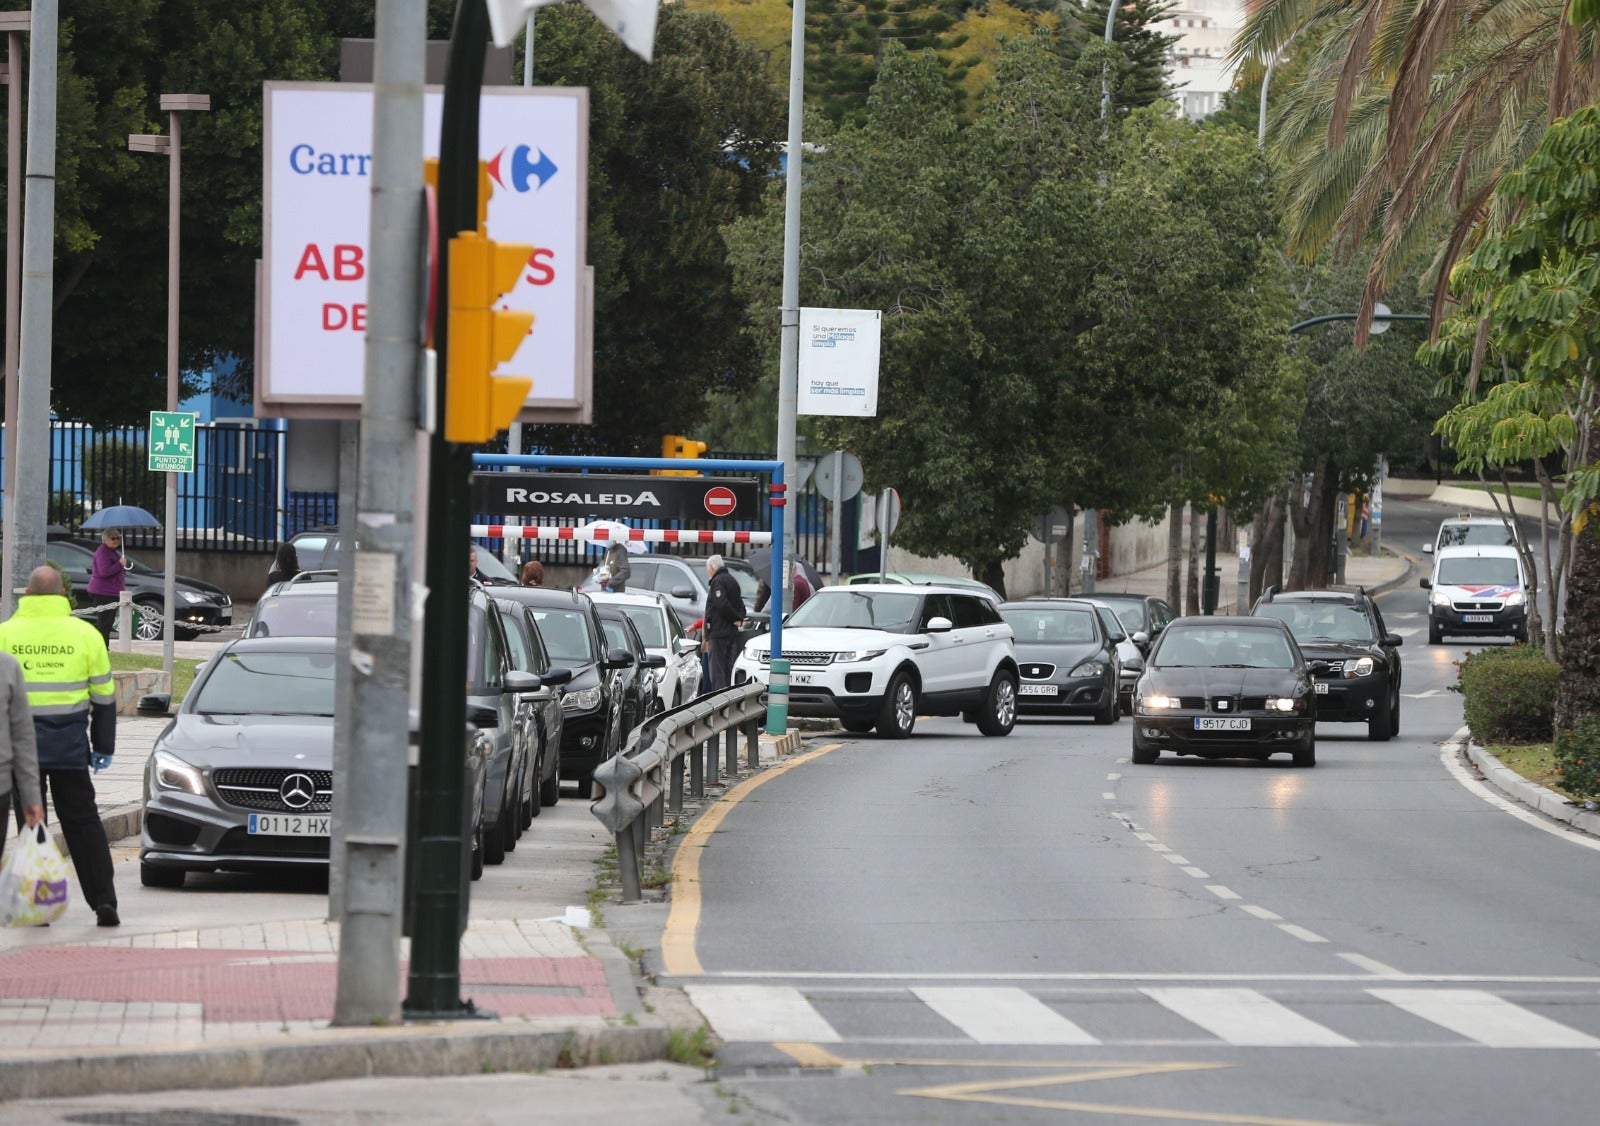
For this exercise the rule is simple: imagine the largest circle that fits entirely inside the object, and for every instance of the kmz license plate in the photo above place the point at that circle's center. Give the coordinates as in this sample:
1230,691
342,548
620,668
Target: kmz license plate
1215,723
289,825
1477,617
1038,690
1322,689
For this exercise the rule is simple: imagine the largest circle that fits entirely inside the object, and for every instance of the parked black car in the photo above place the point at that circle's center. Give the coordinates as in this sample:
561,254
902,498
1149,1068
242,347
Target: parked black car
1355,660
199,603
592,724
635,681
1233,687
541,712
1141,613
1068,663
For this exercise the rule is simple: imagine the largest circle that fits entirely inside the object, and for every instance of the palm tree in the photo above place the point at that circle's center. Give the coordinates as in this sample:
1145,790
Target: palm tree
1409,115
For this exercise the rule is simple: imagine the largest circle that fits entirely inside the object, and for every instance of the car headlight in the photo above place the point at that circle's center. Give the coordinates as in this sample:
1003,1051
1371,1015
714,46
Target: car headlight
1516,598
1438,598
754,652
172,773
859,655
191,597
1283,704
581,701
1360,667
1159,703
1089,668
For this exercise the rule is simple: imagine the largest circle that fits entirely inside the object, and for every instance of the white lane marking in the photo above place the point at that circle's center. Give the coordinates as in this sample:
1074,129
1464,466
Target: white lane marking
1485,1018
1425,695
1223,892
1146,837
1197,873
1404,616
1382,969
1261,912
1156,846
1112,777
1003,1016
1591,981
1246,1018
1301,933
1109,796
1176,859
1449,754
761,1013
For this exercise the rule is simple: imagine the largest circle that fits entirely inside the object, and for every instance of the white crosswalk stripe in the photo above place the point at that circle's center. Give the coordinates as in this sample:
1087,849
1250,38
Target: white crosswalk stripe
761,1012
1246,1018
1003,1016
1483,1017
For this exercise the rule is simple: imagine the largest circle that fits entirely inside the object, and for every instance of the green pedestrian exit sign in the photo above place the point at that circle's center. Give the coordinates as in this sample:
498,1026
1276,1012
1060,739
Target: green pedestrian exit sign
171,445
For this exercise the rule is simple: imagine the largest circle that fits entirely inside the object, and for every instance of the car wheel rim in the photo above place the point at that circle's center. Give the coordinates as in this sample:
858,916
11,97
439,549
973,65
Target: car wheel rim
1005,701
904,707
149,627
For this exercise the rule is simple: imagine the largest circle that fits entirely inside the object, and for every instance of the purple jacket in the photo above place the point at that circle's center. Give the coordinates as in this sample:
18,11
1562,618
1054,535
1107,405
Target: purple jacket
108,576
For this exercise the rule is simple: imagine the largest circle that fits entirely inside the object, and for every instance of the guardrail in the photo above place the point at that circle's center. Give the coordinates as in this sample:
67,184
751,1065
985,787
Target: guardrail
647,778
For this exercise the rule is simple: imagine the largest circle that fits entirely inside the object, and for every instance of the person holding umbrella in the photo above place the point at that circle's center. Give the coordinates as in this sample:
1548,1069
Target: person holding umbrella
108,578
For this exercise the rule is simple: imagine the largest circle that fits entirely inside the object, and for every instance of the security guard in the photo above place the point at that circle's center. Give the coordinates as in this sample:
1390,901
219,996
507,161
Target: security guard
74,704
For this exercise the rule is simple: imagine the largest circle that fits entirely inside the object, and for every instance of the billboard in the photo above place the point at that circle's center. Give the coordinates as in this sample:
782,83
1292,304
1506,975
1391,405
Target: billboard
839,361
317,157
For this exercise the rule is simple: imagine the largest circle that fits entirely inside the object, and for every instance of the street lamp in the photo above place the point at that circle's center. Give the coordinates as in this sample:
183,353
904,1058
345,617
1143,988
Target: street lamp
15,25
171,144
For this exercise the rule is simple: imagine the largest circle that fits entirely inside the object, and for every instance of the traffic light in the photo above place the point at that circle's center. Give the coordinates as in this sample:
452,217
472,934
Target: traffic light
675,445
479,404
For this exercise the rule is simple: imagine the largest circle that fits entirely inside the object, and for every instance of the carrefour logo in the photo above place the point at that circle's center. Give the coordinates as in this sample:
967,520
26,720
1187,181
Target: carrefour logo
522,168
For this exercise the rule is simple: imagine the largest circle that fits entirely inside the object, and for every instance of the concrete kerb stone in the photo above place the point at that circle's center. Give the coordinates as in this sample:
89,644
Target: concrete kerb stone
1531,794
420,1050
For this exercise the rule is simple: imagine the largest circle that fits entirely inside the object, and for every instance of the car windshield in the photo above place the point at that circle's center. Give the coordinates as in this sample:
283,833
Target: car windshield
616,634
841,608
1130,612
1049,625
299,615
1479,571
268,684
745,575
565,635
490,566
1465,535
651,625
1320,621
1233,647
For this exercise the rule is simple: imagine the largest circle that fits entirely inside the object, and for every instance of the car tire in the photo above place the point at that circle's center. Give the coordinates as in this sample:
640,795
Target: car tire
1435,634
535,799
494,841
1111,712
999,714
154,876
1394,712
857,726
1143,754
898,714
511,826
476,864
586,788
1307,757
147,620
1380,728
550,791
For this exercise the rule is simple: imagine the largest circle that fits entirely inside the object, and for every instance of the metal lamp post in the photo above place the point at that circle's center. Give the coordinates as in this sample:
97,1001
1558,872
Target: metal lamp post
172,145
15,25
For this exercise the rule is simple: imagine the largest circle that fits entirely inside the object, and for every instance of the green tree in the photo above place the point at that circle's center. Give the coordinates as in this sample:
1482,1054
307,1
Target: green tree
1142,51
845,41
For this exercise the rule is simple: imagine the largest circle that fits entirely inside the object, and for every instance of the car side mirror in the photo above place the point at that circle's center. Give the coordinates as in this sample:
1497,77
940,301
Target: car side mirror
619,659
1427,549
683,592
1425,584
555,676
653,661
517,681
685,645
940,625
1390,641
483,717
155,704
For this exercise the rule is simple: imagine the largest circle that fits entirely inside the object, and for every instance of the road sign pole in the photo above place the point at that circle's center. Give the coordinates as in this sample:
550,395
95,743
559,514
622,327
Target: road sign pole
836,551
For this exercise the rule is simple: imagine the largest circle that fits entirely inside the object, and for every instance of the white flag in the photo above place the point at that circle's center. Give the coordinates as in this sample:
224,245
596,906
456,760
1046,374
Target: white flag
633,21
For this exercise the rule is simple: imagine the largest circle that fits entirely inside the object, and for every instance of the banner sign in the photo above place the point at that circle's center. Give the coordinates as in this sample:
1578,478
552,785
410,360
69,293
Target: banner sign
616,497
839,361
316,216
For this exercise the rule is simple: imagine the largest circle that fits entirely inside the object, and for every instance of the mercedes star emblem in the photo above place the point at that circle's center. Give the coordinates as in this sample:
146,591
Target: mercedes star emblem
298,791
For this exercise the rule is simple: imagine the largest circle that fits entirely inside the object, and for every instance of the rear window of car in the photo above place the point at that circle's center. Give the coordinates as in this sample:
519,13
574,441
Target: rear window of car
1044,626
1130,611
650,623
1471,535
1479,571
268,684
300,615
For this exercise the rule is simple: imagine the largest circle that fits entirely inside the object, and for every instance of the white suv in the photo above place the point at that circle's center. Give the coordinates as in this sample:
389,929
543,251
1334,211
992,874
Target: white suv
877,655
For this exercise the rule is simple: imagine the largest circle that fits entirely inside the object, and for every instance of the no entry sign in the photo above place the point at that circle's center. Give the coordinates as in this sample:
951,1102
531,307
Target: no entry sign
720,501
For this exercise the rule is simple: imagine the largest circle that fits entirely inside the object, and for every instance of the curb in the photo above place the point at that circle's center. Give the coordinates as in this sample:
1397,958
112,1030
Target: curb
1530,794
1402,578
421,1050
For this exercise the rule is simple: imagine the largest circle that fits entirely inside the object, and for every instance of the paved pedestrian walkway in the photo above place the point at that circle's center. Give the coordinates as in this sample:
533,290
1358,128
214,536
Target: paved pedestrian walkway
1374,572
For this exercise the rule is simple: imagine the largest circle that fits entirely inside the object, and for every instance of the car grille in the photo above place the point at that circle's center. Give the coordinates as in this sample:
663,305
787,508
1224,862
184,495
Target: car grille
1320,668
803,658
1192,703
259,788
1038,672
1479,605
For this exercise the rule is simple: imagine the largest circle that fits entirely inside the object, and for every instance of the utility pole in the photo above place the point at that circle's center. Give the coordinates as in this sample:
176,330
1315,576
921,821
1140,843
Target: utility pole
789,352
26,506
15,25
378,647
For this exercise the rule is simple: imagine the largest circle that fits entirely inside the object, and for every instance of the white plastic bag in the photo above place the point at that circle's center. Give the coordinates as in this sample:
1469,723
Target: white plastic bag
33,881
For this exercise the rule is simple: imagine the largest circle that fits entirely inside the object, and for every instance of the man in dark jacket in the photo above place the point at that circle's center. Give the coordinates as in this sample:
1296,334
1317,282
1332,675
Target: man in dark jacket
724,614
74,705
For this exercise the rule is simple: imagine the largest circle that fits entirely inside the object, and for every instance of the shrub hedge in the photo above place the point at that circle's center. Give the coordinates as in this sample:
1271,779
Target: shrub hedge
1577,755
1510,694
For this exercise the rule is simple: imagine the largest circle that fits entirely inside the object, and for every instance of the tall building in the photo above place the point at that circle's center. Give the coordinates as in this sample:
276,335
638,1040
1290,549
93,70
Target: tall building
1200,71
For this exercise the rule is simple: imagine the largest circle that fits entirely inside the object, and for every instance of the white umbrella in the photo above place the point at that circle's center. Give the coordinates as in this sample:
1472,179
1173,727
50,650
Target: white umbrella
614,530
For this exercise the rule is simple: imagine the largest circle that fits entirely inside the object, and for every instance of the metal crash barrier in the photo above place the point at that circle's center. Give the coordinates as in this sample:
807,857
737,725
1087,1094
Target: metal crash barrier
647,778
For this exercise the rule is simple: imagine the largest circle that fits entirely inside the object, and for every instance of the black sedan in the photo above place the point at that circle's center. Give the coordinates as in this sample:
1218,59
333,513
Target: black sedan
1226,688
1069,665
1355,660
199,603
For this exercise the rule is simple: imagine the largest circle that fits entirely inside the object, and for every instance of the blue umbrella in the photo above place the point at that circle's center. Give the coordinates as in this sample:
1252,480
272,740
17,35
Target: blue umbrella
121,516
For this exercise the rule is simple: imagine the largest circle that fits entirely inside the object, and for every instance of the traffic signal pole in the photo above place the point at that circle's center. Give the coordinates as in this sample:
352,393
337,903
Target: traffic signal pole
434,982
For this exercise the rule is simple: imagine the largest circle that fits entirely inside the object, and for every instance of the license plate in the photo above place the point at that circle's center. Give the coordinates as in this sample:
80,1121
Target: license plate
289,825
1322,689
1215,723
1477,617
1038,690
799,678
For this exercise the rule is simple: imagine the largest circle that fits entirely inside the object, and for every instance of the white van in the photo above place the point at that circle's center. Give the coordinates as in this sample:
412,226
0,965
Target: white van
1479,589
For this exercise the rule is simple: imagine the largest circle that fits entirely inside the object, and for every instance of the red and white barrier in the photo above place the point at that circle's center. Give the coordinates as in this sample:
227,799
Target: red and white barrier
603,535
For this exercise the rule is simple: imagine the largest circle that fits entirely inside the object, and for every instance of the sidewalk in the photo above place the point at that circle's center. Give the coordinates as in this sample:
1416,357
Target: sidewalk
179,997
1376,573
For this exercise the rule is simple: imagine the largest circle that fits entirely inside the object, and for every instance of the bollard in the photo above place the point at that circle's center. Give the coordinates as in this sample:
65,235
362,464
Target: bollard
730,752
697,771
752,742
778,698
125,622
730,745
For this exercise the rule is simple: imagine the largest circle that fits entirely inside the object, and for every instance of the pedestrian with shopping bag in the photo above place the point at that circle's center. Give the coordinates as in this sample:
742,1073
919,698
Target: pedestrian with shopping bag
67,673
19,753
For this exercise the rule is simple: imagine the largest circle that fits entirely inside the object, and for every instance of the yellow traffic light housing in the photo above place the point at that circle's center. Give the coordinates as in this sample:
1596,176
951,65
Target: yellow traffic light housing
430,177
479,404
676,445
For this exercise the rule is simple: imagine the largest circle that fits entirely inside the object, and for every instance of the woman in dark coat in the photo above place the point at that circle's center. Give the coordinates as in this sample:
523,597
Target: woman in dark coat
285,564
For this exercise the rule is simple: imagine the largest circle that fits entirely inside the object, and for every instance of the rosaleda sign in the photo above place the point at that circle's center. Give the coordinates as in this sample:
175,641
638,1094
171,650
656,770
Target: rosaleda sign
592,494
317,214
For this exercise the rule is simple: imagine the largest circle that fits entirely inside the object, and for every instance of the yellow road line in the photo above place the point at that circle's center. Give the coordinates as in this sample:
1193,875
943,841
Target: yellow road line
678,954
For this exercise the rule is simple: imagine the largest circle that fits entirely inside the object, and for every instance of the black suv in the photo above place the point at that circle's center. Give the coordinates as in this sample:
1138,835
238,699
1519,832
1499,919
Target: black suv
1354,659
